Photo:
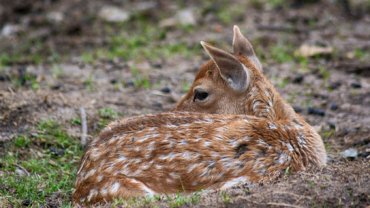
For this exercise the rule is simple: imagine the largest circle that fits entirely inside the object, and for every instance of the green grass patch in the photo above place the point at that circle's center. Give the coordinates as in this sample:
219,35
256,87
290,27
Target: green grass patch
106,115
145,43
40,165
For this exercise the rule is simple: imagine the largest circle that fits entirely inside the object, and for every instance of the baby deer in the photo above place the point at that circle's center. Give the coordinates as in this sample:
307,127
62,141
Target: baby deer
237,129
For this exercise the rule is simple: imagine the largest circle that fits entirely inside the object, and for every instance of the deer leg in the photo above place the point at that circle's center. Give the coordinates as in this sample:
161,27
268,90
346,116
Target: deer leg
100,189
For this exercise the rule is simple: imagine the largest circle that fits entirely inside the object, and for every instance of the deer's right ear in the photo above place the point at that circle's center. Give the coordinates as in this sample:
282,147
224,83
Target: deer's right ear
242,46
230,68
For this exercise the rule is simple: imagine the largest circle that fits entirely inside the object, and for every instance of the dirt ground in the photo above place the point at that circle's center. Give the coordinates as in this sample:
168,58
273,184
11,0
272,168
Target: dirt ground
58,56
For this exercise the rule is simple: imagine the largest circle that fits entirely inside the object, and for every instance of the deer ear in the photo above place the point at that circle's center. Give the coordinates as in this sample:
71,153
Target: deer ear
242,46
230,68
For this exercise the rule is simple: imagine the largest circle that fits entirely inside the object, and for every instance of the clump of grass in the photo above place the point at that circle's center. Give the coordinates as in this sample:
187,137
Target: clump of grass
140,80
181,200
33,171
226,198
281,53
106,115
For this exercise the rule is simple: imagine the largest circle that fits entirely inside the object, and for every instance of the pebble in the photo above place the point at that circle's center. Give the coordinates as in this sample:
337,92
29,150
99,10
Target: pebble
350,153
166,90
113,14
334,85
297,79
26,202
130,83
333,106
356,85
56,151
315,111
297,109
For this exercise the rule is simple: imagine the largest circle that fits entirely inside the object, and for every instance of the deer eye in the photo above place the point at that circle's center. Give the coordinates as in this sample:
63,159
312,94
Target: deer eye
200,95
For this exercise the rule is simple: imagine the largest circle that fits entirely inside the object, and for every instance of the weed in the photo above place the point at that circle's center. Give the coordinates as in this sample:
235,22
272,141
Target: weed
281,53
360,54
140,80
324,73
87,58
185,86
106,115
76,121
56,71
22,141
226,198
180,200
89,83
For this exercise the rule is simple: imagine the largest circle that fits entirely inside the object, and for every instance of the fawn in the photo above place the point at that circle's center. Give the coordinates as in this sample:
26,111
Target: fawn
231,127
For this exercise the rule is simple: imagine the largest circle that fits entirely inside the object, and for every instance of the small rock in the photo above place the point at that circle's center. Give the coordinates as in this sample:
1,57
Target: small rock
113,14
55,17
56,86
26,202
20,172
350,153
145,6
333,106
356,85
9,30
157,105
186,17
157,65
129,83
297,79
182,17
56,151
331,125
166,90
297,109
334,85
316,111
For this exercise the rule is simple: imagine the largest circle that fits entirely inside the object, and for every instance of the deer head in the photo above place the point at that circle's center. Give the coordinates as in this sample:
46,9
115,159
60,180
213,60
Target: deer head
233,83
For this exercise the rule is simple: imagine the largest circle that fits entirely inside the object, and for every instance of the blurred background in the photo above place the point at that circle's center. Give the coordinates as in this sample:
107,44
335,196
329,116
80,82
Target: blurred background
124,58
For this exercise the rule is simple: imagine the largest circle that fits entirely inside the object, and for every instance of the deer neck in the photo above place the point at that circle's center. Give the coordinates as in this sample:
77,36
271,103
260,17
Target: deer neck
262,100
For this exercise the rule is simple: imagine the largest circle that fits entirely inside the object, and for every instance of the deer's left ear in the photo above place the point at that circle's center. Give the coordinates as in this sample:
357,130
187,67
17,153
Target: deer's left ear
242,46
230,68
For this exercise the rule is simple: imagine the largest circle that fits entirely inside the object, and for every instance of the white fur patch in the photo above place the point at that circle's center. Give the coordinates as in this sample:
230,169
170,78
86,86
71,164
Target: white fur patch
235,181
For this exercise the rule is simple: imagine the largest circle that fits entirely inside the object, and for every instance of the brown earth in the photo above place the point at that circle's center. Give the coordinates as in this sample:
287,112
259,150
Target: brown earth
331,91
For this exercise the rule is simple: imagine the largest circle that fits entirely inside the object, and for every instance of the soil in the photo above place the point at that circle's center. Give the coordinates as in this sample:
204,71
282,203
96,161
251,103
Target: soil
331,91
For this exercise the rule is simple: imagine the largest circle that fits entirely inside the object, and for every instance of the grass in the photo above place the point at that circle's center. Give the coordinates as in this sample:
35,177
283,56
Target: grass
140,80
38,166
25,79
106,115
147,43
172,201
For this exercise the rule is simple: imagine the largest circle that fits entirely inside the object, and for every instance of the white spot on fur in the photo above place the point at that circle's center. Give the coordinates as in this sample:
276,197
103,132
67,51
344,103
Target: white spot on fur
93,193
100,178
235,181
115,187
174,175
301,140
207,143
290,148
147,190
283,158
89,174
272,126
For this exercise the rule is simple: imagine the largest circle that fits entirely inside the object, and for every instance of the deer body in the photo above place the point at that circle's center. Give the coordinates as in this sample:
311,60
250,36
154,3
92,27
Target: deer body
238,130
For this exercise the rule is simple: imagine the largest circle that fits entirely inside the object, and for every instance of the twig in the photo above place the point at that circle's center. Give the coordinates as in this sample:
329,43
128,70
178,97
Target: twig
23,169
84,127
283,205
